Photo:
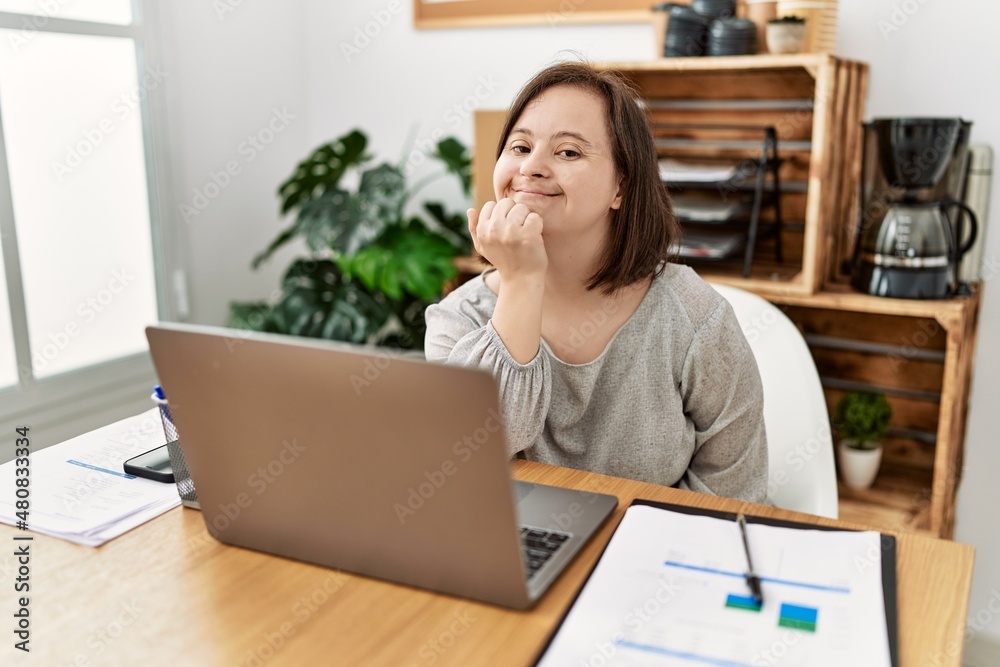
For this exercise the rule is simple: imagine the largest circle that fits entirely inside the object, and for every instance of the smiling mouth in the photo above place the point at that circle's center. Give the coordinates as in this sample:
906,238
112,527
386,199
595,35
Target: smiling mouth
536,194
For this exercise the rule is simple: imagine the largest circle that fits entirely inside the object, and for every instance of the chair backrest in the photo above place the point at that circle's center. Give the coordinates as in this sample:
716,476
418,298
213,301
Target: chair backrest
801,475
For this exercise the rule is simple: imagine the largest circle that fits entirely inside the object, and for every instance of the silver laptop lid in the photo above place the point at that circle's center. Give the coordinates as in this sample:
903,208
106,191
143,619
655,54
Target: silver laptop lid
384,466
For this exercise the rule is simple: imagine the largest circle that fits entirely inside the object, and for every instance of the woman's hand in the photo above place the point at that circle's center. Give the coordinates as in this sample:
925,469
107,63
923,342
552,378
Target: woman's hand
510,237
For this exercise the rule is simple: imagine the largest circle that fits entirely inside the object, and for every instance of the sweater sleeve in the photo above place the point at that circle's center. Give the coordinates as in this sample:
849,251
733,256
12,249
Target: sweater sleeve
724,397
456,334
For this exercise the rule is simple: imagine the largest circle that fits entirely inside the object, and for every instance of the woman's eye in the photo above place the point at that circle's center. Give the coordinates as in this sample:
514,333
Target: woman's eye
569,152
521,150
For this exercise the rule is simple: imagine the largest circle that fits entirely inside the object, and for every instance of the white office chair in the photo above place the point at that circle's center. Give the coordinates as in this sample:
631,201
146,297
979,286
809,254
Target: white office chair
801,474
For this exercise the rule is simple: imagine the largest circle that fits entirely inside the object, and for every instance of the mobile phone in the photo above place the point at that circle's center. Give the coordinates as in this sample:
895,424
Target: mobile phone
154,464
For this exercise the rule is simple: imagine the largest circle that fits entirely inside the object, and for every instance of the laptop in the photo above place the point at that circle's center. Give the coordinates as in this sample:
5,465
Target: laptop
381,465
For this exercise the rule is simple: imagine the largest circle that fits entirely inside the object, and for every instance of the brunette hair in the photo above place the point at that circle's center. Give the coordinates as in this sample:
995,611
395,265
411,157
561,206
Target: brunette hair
644,229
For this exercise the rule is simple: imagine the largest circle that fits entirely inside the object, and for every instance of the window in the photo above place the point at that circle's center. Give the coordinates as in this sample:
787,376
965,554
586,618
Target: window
77,227
100,11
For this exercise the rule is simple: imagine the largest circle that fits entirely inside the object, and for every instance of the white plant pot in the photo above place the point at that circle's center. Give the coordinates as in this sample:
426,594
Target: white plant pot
858,467
785,37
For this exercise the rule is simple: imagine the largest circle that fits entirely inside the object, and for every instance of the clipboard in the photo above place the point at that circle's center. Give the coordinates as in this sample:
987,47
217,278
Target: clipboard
888,568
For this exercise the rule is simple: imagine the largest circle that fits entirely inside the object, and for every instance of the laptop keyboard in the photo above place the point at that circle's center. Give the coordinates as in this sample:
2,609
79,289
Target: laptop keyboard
538,545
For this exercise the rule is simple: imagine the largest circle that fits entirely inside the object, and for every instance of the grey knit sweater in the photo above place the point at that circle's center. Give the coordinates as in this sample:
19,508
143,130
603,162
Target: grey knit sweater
674,399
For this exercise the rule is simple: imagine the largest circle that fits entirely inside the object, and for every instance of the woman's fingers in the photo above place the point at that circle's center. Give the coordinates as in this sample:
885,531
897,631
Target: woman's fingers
516,216
508,235
500,212
505,219
533,223
487,210
473,216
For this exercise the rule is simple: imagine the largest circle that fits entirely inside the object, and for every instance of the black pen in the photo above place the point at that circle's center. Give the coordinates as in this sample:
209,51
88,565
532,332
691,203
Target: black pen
753,581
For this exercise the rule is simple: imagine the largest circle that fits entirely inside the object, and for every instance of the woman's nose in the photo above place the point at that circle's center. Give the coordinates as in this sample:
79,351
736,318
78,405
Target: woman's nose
535,164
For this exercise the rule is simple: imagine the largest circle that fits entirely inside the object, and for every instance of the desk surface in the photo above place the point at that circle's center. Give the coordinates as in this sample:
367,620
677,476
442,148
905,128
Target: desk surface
167,593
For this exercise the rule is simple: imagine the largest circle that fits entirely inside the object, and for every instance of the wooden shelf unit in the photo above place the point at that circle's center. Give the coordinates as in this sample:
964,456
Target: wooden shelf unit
814,101
899,500
920,353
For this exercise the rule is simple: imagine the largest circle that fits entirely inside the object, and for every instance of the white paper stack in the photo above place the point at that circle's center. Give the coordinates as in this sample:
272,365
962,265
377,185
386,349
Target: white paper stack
679,171
706,207
78,490
708,245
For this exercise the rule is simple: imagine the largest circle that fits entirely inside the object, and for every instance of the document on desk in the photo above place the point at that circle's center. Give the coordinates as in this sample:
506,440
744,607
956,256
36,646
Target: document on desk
79,491
670,590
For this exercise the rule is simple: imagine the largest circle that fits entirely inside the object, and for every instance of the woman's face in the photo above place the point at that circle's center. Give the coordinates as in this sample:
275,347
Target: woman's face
557,161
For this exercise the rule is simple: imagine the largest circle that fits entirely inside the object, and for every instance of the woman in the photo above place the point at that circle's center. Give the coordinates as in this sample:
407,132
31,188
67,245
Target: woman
608,358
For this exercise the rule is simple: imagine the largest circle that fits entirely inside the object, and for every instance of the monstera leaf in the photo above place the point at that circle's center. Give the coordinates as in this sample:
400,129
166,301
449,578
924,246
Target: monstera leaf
344,222
322,170
312,188
254,315
456,160
455,223
318,302
410,259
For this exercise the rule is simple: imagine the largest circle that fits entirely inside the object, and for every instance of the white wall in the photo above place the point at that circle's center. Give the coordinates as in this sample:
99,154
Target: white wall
235,81
226,75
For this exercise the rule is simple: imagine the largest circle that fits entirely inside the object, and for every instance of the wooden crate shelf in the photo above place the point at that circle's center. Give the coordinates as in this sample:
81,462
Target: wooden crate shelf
815,102
920,353
899,500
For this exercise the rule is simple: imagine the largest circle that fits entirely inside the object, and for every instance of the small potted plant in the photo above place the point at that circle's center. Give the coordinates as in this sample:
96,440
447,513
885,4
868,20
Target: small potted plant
863,418
786,34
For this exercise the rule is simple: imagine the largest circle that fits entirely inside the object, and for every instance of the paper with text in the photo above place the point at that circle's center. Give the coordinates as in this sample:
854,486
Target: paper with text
670,590
78,490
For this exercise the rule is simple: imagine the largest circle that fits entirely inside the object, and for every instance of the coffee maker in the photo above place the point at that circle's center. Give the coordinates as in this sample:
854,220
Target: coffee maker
909,240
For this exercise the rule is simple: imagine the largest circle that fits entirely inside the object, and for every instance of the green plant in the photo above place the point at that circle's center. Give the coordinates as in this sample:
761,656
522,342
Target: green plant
864,417
372,269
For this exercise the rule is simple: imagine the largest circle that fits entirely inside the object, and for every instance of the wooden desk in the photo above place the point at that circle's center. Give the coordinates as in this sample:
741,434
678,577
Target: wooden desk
168,594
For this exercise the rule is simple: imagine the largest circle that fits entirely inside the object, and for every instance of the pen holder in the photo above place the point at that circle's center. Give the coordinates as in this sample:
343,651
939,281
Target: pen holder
182,478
